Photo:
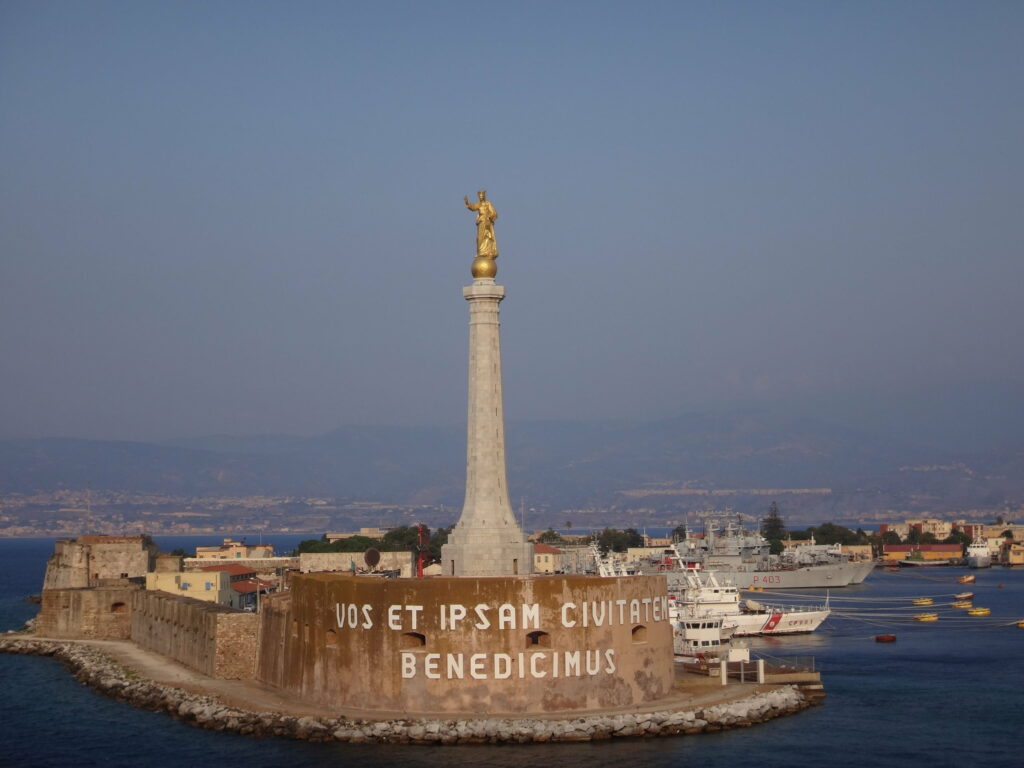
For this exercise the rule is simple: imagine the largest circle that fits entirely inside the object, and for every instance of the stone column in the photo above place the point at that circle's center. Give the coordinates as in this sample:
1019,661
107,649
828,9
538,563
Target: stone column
487,541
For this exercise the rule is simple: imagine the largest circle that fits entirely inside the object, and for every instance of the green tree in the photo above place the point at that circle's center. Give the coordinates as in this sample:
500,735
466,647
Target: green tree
550,536
890,537
773,529
772,526
401,539
928,538
614,540
958,537
830,533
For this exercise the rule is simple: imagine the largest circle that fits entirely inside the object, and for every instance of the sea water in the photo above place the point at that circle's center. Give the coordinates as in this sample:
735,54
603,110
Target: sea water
950,693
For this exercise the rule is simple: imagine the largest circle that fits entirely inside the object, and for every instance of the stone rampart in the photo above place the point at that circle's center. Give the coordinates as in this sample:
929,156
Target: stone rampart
209,638
98,613
469,645
89,561
262,565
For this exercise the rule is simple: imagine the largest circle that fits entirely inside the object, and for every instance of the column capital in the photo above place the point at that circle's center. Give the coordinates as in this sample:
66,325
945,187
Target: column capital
483,288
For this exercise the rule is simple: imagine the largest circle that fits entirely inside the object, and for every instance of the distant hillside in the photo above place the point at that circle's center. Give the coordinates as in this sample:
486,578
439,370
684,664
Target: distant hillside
551,464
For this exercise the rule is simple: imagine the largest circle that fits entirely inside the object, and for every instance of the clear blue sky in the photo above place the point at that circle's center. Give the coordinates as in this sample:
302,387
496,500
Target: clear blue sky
246,217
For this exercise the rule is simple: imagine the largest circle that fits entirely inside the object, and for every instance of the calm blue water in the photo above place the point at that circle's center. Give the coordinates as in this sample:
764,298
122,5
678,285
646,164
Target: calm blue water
945,694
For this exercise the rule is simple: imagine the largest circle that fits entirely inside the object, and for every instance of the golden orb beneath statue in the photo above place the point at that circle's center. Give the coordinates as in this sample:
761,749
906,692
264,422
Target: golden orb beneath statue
484,266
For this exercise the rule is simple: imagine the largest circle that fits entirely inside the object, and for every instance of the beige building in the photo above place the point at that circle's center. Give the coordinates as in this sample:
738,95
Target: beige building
211,586
857,551
370,533
996,531
546,559
234,550
1013,553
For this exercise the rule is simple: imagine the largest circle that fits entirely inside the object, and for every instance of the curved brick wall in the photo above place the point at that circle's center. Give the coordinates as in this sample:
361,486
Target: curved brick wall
464,645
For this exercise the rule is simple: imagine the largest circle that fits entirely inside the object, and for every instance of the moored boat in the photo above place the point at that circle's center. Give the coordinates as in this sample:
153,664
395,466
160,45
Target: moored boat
922,601
915,563
926,617
963,596
961,604
967,578
885,638
979,555
744,557
979,612
704,595
703,636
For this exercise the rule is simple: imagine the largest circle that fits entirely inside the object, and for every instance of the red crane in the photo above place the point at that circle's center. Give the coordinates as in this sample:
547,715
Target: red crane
424,547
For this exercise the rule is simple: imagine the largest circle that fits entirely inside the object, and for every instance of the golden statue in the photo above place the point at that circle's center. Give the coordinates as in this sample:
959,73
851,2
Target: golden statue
486,245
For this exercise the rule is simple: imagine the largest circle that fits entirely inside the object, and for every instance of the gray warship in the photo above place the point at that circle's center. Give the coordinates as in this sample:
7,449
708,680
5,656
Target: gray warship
743,556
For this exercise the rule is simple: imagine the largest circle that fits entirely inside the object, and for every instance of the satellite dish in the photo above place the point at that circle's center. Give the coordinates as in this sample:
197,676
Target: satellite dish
371,557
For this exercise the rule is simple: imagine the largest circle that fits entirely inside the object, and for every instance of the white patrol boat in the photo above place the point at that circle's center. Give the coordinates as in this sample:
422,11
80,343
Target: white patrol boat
703,596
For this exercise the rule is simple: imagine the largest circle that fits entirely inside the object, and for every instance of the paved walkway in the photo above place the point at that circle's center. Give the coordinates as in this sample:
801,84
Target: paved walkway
690,691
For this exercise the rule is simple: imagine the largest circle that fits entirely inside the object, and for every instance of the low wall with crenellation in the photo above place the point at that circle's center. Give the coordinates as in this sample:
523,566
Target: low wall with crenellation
209,638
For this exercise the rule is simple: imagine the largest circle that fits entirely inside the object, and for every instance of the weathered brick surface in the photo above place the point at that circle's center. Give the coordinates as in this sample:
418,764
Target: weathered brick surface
237,638
100,613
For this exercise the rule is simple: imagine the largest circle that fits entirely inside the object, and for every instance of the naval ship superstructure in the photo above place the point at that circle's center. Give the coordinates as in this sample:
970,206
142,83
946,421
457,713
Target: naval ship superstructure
743,557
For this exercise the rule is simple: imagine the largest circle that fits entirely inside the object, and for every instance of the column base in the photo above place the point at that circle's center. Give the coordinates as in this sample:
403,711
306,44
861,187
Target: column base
487,559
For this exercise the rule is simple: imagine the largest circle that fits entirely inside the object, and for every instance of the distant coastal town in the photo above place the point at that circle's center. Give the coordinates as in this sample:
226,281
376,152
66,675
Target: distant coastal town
66,512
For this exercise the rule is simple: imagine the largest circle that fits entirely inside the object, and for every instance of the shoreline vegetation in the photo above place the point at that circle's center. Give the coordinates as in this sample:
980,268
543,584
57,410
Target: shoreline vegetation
103,674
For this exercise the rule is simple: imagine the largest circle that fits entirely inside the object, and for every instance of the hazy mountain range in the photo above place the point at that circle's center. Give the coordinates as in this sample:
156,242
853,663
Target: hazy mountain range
962,450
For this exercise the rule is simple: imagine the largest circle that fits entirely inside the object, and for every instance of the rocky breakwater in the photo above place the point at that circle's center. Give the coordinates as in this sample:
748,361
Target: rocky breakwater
92,667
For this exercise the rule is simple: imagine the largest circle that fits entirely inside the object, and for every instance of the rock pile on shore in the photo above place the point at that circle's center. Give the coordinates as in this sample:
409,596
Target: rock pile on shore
97,670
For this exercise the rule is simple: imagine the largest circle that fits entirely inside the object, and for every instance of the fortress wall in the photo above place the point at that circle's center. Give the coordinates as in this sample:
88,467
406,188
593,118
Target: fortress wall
67,567
262,565
275,613
470,645
99,613
312,562
91,560
210,638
